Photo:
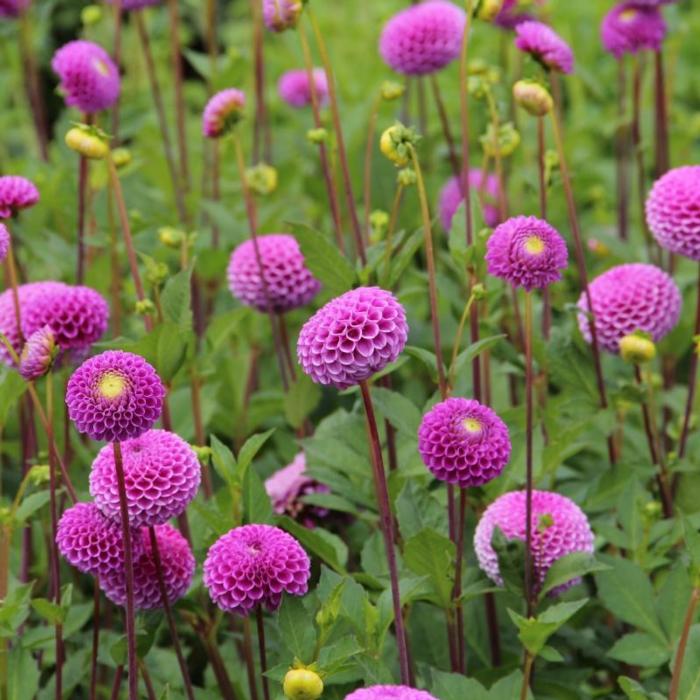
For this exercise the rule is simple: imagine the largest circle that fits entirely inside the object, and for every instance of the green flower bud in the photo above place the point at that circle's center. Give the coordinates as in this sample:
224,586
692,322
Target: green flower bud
145,307
39,474
156,272
171,237
121,157
302,684
392,90
396,141
261,179
533,97
203,452
488,9
505,143
479,292
90,15
637,348
88,141
406,177
317,136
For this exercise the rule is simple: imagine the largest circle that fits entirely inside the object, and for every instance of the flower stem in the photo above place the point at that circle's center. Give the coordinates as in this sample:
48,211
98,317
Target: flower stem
529,583
458,338
395,206
261,649
176,58
622,138
248,656
369,148
527,673
683,643
94,652
11,269
117,56
662,157
445,122
83,184
464,121
117,683
542,176
261,129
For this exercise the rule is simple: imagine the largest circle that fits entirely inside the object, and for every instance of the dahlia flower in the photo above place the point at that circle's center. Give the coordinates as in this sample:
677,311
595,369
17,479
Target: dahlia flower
389,692
38,354
451,197
279,15
629,28
545,46
16,192
294,87
223,111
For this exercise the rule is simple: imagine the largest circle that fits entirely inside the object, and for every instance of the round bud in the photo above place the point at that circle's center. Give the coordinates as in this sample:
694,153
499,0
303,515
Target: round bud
302,684
121,157
406,177
598,248
171,237
478,292
317,136
637,348
392,90
395,143
145,307
86,142
533,97
652,509
90,15
503,143
261,179
489,9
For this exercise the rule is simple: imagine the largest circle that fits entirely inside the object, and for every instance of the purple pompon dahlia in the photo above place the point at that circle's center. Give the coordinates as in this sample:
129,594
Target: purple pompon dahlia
673,211
4,242
91,542
16,192
13,8
451,197
89,79
254,565
161,474
629,298
279,15
510,16
389,692
38,354
128,5
223,111
526,252
177,564
288,284
352,337
286,488
423,38
559,527
295,89
114,396
463,442
629,28
545,46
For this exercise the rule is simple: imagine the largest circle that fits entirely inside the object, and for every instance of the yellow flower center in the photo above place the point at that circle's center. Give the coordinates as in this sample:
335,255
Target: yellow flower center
534,245
101,67
471,425
628,15
111,385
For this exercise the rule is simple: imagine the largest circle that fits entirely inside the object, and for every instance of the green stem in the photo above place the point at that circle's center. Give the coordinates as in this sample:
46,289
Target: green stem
458,338
527,673
682,644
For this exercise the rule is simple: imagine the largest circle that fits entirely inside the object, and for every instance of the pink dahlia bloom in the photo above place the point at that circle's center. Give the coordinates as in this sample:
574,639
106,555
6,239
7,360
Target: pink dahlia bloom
91,542
161,474
629,28
279,15
451,197
509,16
223,111
559,527
114,396
389,692
527,252
89,79
4,242
673,211
629,298
544,45
254,565
177,563
135,4
13,8
463,442
288,284
16,192
38,354
295,89
423,38
352,337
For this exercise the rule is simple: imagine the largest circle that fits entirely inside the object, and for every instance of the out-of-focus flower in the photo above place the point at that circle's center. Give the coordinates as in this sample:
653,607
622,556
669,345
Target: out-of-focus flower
280,15
451,197
38,354
295,89
223,111
389,692
16,192
533,97
545,46
135,4
630,27
5,242
13,8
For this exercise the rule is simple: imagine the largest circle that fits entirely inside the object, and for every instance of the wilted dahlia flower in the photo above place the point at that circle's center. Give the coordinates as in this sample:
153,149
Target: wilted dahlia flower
629,298
463,442
423,38
89,80
114,396
527,252
16,192
673,211
161,475
288,284
279,15
295,89
223,111
544,45
389,692
177,564
629,28
38,354
451,197
352,337
559,527
4,242
254,565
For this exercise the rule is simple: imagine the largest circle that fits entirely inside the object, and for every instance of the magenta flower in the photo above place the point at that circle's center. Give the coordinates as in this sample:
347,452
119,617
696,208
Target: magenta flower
673,211
451,197
279,15
16,192
629,28
177,564
629,298
4,242
38,354
545,46
288,283
352,337
223,111
114,396
423,38
13,8
89,79
389,692
295,89
128,5
526,252
254,565
509,16
559,527
161,474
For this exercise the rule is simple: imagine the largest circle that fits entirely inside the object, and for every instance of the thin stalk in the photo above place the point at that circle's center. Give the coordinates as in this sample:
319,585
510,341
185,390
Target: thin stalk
445,122
117,56
11,269
150,690
393,217
115,286
461,658
261,130
464,122
83,173
458,338
683,643
527,673
94,652
199,434
369,147
261,650
662,156
176,58
542,177
622,138
248,655
284,340
117,683
529,583
498,158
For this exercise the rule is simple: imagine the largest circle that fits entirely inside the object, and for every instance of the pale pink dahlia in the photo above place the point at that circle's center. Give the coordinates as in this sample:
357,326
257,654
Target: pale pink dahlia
114,396
13,8
629,28
287,285
38,354
294,87
629,298
16,192
89,78
487,189
673,211
4,242
279,15
423,38
559,527
254,565
545,46
352,337
223,111
389,692
526,252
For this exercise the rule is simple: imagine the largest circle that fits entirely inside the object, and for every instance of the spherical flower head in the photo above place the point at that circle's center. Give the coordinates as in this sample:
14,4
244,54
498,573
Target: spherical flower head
463,442
114,396
4,242
223,111
423,38
38,354
161,475
510,16
629,298
13,8
673,211
352,337
527,252
128,5
254,565
389,692
533,97
302,684
545,46
629,28
294,87
91,542
89,79
286,282
16,192
559,527
451,197
279,15
177,564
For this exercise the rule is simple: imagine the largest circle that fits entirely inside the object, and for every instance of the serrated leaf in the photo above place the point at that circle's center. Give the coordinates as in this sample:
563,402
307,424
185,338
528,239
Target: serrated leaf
52,613
417,509
257,507
455,686
534,632
223,460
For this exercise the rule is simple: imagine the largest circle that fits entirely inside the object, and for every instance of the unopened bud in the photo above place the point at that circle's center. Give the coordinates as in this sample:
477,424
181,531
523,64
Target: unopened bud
533,97
87,141
478,292
406,177
262,179
392,90
503,144
302,684
637,348
396,142
317,136
652,509
203,452
90,15
171,237
121,157
39,474
145,307
488,9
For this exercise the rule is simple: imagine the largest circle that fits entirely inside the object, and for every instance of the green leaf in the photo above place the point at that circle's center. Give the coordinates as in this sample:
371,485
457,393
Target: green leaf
634,691
250,449
455,686
417,509
475,349
301,399
509,688
329,548
14,609
398,410
223,461
256,503
424,356
23,674
297,632
176,299
165,347
571,566
511,560
689,687
334,657
639,649
12,387
52,613
431,554
31,504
